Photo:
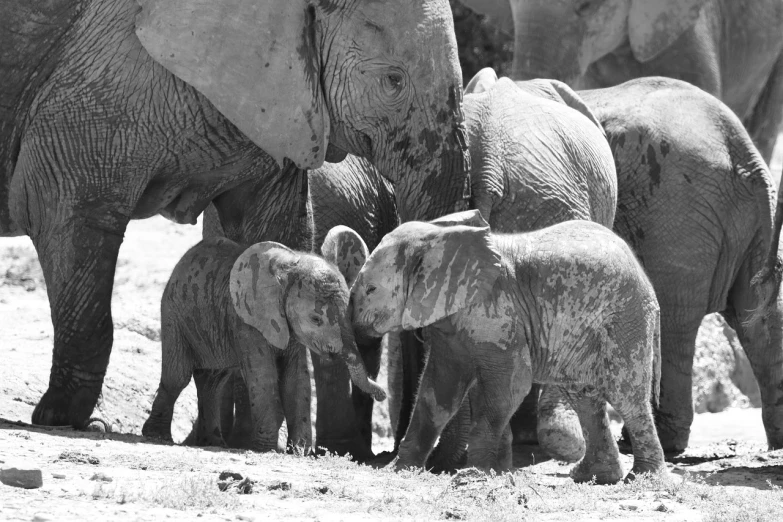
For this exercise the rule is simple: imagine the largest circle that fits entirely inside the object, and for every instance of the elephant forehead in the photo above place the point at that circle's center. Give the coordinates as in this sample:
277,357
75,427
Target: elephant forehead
328,305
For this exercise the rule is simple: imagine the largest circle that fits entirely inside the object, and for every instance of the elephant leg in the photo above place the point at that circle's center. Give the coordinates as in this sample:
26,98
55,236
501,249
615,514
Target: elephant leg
497,397
448,375
451,453
636,411
295,395
764,124
559,432
260,373
524,423
674,414
242,429
210,387
176,370
602,458
394,378
414,359
363,402
763,344
78,254
336,425
506,449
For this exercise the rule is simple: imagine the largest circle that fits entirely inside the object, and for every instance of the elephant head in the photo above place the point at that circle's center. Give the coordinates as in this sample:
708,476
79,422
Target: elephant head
560,38
380,80
423,272
279,291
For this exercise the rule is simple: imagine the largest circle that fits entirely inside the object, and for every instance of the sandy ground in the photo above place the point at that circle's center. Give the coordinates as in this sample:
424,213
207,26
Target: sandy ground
729,444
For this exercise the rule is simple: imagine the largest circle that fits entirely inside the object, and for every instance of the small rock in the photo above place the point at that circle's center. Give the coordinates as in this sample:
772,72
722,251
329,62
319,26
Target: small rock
281,485
453,514
22,477
323,490
629,505
248,518
42,517
663,508
101,477
58,475
225,475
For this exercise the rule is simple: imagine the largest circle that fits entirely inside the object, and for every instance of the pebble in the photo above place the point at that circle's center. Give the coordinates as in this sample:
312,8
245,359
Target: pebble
58,475
629,505
42,517
102,477
247,518
21,477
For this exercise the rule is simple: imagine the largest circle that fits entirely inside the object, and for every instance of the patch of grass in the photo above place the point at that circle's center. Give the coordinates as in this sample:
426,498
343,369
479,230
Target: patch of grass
189,493
749,504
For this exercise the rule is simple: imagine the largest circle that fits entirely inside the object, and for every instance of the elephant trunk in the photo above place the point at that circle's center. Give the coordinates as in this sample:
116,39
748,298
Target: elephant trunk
445,189
546,41
353,360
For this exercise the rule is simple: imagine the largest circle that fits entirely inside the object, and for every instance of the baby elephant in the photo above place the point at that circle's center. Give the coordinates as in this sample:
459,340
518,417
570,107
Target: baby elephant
228,307
567,305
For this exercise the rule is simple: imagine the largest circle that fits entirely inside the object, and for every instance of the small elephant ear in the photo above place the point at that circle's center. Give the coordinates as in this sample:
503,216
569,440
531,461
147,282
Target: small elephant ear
498,12
346,249
257,62
655,25
468,218
482,81
457,266
257,293
573,100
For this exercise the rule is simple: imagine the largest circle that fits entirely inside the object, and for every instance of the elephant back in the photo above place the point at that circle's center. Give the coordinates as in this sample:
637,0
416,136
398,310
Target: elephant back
354,194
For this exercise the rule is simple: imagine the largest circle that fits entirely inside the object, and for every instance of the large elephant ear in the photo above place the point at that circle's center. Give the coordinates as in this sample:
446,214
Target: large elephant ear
257,292
346,249
457,266
469,218
257,62
655,25
498,12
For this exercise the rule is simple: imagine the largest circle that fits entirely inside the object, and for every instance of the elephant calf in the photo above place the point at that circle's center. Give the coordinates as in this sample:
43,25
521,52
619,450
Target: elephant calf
567,305
228,307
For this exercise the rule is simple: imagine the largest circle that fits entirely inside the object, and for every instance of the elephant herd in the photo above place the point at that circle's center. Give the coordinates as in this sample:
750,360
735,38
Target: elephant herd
526,252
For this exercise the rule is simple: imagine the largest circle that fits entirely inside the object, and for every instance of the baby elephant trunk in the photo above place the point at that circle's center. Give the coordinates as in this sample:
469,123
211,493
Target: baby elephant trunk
353,360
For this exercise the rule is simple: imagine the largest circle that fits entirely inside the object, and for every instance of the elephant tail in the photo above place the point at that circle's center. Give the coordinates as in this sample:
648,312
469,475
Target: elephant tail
766,282
656,346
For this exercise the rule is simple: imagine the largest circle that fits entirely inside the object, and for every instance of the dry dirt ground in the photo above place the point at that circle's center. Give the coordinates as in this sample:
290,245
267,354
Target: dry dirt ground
727,475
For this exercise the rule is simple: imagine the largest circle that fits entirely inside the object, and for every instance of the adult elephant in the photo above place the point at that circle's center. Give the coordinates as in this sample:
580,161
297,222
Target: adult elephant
109,113
696,202
351,193
730,48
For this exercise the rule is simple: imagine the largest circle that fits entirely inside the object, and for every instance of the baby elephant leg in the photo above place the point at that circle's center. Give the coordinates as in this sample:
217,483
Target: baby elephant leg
602,458
176,370
636,412
446,380
559,432
210,385
295,395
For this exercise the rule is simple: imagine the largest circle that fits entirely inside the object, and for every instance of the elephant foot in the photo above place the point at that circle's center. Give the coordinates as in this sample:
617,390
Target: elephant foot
603,472
673,437
356,447
70,399
156,431
382,459
562,438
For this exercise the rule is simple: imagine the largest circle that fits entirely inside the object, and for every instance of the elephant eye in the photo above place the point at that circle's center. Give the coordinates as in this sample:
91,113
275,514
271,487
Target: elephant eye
316,320
393,82
370,289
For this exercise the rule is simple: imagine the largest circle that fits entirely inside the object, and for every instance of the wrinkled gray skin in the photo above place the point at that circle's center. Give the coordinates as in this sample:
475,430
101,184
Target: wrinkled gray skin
567,305
200,330
350,193
94,132
730,48
696,202
538,157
